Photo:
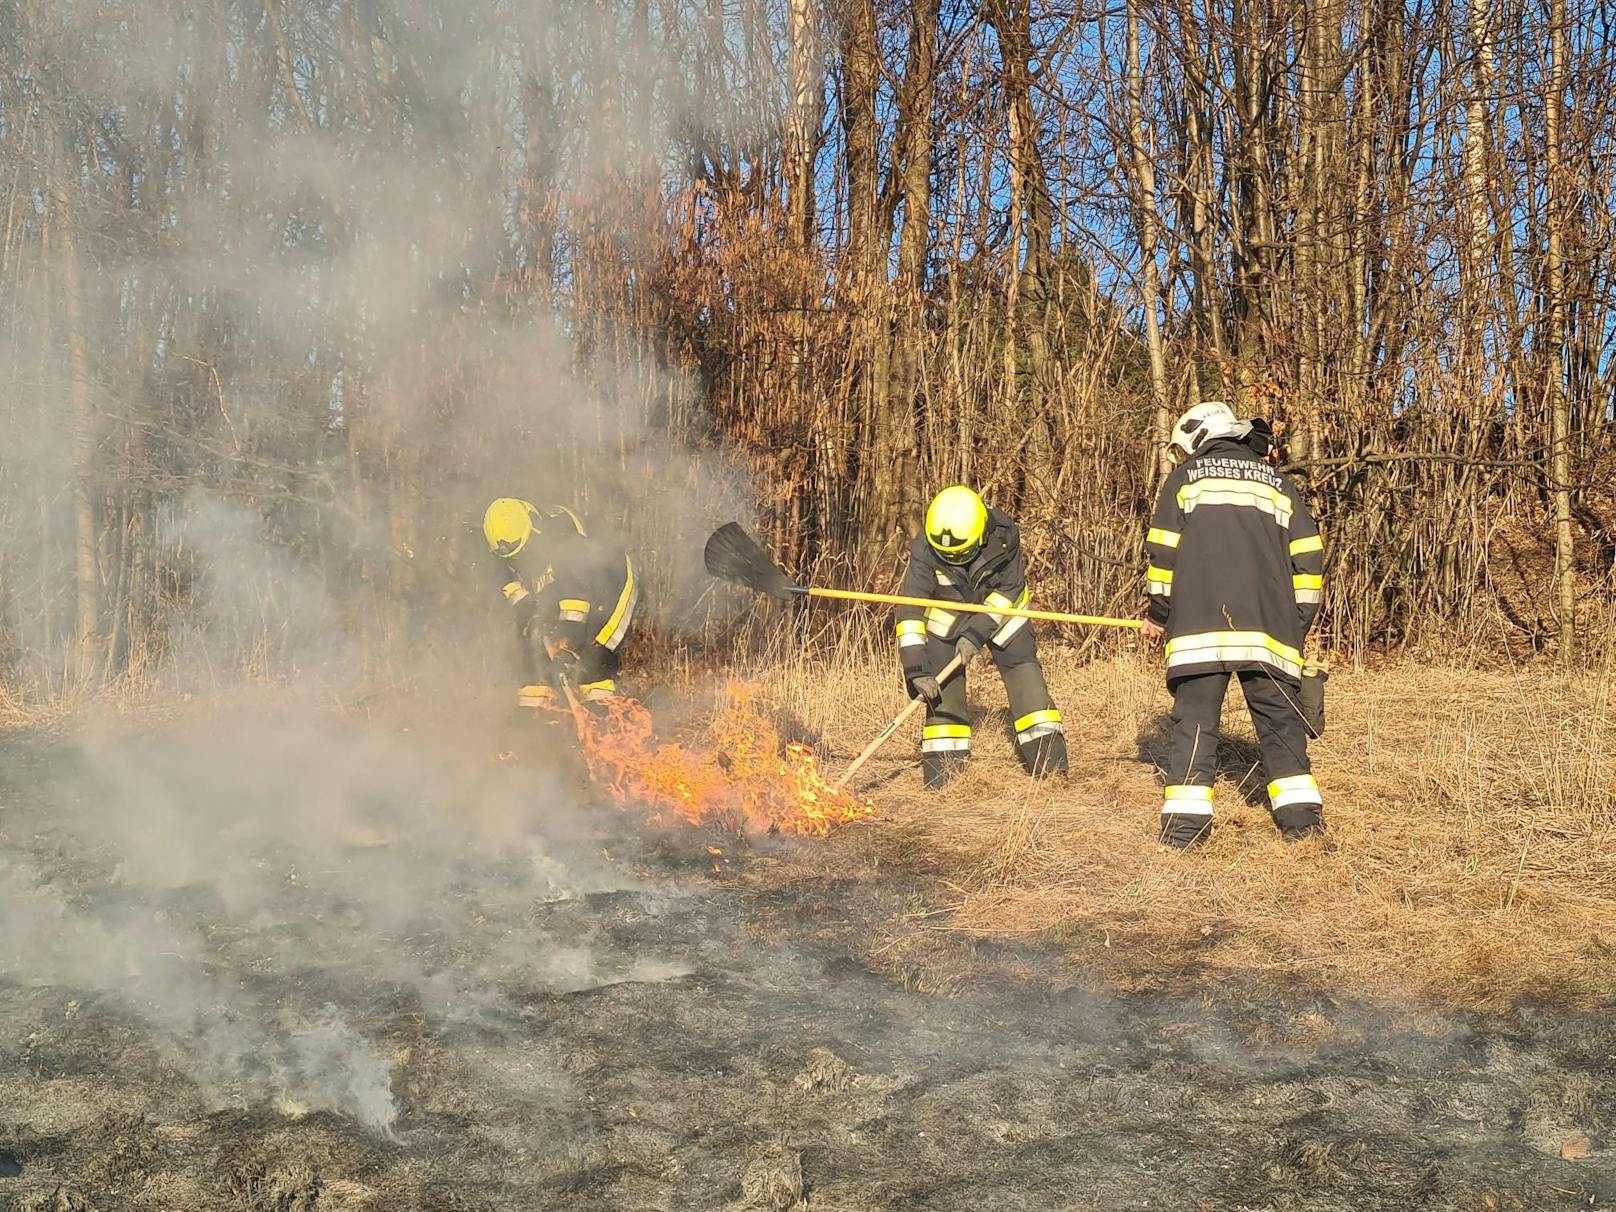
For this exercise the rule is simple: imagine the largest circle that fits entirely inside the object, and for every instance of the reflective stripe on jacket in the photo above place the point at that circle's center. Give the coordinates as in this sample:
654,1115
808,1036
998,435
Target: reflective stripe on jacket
996,576
586,588
1236,571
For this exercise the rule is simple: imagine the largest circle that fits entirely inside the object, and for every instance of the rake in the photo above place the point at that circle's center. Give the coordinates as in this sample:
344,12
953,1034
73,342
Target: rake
733,555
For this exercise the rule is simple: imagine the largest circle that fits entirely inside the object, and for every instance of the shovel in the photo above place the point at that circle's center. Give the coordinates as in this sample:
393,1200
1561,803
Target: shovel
734,555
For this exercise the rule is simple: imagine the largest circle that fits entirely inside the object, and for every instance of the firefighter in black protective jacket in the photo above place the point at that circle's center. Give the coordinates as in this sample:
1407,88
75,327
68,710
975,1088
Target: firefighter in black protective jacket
574,597
970,553
1234,584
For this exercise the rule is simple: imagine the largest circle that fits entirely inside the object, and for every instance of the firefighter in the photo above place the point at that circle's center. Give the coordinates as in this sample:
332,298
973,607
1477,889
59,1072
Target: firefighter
1234,584
574,597
971,553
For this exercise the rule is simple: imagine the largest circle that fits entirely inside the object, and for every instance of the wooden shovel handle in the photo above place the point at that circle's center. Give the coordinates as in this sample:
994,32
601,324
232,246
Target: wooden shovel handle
914,705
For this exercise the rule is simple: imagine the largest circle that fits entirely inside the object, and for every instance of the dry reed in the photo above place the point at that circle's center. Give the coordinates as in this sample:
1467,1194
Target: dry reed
1471,856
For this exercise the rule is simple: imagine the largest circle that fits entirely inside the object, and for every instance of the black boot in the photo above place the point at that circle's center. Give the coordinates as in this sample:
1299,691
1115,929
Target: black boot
1298,821
1180,830
1044,756
936,769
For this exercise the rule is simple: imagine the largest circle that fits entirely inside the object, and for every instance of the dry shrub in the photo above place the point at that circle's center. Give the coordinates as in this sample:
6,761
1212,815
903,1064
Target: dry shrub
1471,856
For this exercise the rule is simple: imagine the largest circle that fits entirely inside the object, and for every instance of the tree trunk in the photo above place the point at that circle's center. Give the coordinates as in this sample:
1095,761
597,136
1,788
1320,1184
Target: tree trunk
81,389
806,115
883,433
1032,228
1476,288
908,330
1557,398
1142,177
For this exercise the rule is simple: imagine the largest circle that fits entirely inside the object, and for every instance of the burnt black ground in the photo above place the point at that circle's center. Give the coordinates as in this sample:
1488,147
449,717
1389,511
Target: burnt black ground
639,1037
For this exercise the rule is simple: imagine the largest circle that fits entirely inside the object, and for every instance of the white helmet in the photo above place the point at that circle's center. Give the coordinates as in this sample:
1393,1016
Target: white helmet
1198,426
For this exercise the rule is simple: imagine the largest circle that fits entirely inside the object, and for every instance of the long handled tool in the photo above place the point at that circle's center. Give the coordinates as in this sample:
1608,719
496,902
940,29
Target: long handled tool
734,555
914,705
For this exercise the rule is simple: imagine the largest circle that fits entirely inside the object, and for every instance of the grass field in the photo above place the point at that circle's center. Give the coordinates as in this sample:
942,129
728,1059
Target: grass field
1471,855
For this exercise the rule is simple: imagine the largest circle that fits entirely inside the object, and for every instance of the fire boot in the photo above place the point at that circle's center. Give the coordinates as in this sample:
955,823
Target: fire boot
1186,818
1298,821
944,750
1044,756
1181,832
1298,810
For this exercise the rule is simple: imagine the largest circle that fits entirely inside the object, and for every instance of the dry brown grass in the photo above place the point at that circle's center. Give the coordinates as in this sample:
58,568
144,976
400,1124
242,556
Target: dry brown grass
1471,856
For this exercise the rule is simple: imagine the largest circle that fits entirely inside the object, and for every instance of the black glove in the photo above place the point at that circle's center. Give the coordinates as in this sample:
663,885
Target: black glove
966,648
926,687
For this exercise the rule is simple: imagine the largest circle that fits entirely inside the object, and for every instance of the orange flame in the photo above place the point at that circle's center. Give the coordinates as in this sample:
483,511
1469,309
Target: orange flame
752,783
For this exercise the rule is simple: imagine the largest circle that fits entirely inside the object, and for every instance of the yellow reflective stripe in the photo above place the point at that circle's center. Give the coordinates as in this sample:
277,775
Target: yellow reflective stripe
1048,716
934,732
1307,580
996,599
577,523
1251,494
1180,797
1008,626
1303,546
1163,538
1296,789
1294,782
1007,632
514,592
939,622
1163,575
600,689
611,635
1184,791
911,627
574,604
1233,646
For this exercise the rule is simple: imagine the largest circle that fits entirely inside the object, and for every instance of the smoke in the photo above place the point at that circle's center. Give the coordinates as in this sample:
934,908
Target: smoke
351,315
235,1047
229,881
331,376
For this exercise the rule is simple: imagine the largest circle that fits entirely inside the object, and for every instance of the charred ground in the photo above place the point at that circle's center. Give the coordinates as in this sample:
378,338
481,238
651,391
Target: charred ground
451,987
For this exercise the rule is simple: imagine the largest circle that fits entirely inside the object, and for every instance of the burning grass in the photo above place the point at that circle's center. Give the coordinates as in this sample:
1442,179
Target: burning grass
1471,856
750,780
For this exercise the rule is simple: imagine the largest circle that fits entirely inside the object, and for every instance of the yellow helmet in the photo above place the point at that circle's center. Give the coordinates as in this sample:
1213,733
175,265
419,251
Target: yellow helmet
508,524
956,520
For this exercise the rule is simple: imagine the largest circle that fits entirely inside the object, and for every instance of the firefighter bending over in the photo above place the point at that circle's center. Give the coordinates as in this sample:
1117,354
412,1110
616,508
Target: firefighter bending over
1234,584
970,553
574,598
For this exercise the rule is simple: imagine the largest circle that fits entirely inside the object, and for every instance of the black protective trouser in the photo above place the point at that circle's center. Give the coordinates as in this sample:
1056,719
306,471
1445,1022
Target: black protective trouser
593,674
946,737
1192,761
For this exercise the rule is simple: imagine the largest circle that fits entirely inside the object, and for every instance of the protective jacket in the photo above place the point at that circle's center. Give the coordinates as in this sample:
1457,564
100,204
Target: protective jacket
1236,566
927,638
997,576
569,585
